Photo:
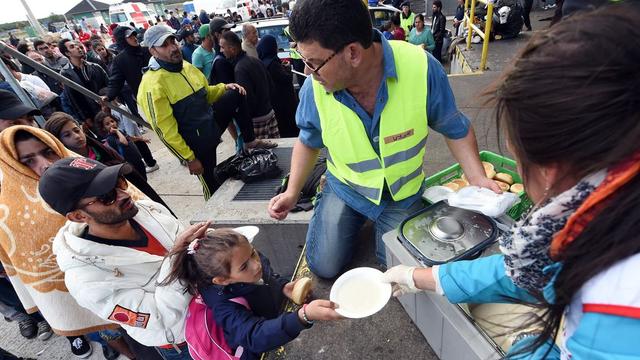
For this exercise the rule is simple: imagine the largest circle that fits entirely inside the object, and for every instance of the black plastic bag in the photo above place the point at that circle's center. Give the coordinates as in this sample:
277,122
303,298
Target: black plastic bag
259,164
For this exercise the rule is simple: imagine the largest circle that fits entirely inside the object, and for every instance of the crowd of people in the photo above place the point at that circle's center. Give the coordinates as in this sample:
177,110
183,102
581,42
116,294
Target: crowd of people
90,251
408,26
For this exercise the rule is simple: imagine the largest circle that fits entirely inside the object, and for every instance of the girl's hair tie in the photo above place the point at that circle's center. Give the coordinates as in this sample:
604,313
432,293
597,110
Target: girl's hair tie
193,247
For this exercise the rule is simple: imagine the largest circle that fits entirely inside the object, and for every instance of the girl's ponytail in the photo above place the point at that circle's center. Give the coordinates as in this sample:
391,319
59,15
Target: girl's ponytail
183,269
196,263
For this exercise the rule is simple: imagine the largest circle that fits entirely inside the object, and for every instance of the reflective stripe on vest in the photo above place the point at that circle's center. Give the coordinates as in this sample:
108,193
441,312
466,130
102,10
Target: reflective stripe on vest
402,137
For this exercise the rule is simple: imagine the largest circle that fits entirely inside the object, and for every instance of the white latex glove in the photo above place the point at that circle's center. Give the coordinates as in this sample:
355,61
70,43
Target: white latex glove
402,278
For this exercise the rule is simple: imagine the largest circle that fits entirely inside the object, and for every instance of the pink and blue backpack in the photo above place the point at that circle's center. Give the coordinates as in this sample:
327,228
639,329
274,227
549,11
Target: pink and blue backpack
205,338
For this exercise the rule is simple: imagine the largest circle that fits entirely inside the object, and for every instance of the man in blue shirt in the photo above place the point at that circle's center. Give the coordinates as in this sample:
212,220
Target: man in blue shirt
335,42
188,44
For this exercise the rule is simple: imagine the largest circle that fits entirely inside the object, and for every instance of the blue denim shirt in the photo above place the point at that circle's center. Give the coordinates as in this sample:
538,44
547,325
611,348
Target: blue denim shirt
443,117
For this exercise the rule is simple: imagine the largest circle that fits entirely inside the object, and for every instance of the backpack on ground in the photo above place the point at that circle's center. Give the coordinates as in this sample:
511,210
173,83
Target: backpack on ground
205,339
310,188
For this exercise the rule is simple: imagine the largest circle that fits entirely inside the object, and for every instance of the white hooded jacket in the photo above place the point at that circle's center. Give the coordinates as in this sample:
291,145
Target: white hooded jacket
120,284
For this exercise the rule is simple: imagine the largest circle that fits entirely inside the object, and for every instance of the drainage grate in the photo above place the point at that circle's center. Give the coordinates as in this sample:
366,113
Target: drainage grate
266,189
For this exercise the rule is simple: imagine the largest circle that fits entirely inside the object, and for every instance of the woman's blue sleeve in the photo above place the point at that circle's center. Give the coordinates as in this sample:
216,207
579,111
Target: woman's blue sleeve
482,280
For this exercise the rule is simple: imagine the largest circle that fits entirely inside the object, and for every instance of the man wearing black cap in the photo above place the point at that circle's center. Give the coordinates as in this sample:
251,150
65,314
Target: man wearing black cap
127,65
222,70
14,112
112,252
188,44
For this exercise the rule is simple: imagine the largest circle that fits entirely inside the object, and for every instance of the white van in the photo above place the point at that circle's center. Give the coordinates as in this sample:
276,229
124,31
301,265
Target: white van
135,12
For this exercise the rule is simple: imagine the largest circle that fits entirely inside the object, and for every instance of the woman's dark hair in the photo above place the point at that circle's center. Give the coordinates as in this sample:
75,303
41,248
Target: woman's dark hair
212,258
98,120
572,98
334,24
418,16
57,121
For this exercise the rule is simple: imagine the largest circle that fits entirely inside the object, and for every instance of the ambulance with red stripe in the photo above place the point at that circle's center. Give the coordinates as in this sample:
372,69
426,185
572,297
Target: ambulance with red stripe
136,12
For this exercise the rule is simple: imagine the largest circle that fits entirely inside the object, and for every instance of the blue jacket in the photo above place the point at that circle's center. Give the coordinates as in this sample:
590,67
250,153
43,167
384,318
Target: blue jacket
262,328
597,335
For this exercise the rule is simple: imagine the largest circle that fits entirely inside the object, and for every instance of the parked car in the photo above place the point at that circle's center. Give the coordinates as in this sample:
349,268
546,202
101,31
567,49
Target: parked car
380,14
271,26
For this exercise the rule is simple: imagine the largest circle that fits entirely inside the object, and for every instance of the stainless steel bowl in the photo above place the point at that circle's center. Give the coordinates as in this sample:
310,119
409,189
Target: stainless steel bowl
446,228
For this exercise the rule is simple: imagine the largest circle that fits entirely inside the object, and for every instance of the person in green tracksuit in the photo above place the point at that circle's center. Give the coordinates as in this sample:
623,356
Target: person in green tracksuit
176,99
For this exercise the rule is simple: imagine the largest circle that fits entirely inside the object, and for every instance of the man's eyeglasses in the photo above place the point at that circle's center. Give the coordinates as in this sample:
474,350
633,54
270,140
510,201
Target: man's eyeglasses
109,198
316,69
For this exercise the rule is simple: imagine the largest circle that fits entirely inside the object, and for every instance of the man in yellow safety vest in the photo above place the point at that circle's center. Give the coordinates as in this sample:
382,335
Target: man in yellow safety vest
371,103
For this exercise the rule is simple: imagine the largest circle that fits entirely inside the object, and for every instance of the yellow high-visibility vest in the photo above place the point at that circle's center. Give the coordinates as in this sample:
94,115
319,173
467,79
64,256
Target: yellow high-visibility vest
405,23
402,137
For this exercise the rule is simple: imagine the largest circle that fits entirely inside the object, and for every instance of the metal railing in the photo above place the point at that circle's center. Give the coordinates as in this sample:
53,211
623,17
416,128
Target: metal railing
6,49
469,16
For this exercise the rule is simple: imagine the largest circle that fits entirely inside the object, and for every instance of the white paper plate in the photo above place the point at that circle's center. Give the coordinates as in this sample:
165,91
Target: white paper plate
360,292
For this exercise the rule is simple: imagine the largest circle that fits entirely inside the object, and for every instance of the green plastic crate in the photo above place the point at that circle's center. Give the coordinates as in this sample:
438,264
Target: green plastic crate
501,164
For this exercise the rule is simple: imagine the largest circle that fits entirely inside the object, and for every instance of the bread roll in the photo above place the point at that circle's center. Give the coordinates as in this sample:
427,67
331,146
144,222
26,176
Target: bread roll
489,169
503,185
461,183
504,178
301,290
517,188
453,186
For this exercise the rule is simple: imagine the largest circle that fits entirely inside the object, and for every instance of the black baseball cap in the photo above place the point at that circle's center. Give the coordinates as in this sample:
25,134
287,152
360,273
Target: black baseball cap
184,33
12,108
70,179
217,23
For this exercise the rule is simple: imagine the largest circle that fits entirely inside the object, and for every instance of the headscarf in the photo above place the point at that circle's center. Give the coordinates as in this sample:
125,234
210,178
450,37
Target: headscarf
267,49
27,228
538,241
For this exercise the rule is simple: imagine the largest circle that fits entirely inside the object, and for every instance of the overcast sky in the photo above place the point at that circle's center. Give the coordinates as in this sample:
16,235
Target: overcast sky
12,10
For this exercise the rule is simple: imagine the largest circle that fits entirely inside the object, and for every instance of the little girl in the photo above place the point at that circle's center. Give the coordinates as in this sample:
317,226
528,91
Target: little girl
107,126
222,265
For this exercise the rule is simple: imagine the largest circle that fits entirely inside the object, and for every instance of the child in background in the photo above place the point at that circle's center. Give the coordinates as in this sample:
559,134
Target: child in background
130,128
222,265
385,29
107,125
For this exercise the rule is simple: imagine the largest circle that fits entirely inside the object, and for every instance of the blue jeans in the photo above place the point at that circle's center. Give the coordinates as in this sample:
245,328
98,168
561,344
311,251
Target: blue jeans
10,305
334,228
173,354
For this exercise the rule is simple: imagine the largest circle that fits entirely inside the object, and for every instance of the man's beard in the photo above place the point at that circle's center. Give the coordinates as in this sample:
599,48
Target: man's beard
114,215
